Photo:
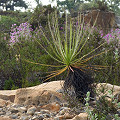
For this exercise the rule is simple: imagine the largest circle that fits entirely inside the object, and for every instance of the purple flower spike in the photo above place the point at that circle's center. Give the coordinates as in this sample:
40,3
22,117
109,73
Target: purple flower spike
18,32
114,35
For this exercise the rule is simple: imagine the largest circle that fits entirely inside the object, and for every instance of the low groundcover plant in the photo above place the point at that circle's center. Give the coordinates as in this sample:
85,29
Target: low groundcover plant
66,49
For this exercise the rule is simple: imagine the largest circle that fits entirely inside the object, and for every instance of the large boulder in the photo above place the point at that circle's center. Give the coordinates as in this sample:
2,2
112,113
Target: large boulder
106,87
53,86
48,93
9,95
41,94
36,97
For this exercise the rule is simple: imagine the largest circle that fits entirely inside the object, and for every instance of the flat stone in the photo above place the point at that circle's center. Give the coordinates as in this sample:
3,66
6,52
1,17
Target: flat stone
37,113
35,118
41,117
8,113
44,111
22,109
64,110
48,119
2,113
14,111
81,116
31,110
52,107
5,118
65,116
42,94
46,115
56,118
24,117
14,116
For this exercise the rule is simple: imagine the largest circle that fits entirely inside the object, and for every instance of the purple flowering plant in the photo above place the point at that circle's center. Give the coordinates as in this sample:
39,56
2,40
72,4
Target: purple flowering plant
18,33
112,36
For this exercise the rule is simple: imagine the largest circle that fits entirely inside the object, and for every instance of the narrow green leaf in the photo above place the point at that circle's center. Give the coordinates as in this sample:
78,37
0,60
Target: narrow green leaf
49,53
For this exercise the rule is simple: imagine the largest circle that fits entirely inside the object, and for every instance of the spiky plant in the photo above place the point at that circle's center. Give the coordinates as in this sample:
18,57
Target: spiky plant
66,51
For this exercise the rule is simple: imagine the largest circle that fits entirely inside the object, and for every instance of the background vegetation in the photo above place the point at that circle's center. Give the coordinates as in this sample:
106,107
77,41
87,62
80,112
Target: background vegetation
16,72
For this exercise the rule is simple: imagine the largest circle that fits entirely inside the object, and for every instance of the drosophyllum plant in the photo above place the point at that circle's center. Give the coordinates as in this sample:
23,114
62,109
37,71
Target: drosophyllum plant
66,49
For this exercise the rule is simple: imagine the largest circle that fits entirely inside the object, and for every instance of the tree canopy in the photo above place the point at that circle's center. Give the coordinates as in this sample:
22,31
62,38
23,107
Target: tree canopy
113,5
74,5
12,3
69,4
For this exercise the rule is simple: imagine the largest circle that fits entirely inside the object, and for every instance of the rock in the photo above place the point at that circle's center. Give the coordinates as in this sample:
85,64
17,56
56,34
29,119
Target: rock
81,116
35,118
41,94
48,119
5,118
44,111
60,91
22,109
7,96
24,117
36,97
8,113
65,113
31,111
46,115
35,103
14,111
107,87
4,102
41,117
66,116
64,110
54,107
2,113
56,118
14,116
52,86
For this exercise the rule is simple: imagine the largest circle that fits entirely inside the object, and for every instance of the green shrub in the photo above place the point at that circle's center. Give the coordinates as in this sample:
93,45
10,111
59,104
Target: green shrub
103,109
6,23
12,17
13,59
15,66
40,16
110,59
88,6
9,85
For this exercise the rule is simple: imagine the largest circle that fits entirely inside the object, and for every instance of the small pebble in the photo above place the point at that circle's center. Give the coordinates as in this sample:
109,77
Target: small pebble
14,116
25,117
31,111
